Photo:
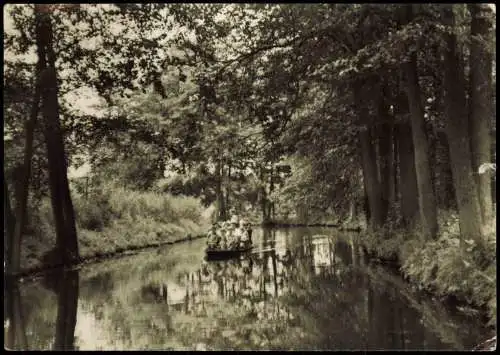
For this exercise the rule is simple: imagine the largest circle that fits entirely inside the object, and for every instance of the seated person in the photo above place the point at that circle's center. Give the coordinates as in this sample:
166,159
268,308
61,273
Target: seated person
213,240
244,235
224,237
245,224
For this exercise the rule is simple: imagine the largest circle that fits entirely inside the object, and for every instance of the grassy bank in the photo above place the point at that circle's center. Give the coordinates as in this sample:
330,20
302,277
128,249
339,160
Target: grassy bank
442,267
114,219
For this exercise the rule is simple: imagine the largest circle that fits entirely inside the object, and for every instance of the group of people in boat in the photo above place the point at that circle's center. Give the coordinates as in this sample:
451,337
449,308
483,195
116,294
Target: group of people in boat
230,235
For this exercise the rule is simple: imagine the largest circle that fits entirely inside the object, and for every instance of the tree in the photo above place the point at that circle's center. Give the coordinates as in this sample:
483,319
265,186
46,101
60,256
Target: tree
480,97
426,197
457,130
67,242
408,176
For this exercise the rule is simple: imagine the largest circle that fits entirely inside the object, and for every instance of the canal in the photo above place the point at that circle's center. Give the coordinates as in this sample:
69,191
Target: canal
302,289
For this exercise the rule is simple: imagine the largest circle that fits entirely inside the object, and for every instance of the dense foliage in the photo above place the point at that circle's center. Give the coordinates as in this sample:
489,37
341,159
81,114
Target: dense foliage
284,113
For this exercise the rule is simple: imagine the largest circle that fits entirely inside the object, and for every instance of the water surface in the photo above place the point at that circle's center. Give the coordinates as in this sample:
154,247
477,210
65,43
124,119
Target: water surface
303,288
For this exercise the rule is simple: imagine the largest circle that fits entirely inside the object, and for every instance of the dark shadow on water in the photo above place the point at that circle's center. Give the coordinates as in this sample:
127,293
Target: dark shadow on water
14,322
67,305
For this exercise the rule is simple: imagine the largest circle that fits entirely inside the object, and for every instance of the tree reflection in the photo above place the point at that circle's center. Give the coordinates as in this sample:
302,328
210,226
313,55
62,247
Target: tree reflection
272,299
67,304
14,324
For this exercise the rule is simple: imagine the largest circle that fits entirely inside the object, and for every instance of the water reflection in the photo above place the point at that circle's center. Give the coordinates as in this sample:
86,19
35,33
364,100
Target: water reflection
302,289
14,322
67,304
64,284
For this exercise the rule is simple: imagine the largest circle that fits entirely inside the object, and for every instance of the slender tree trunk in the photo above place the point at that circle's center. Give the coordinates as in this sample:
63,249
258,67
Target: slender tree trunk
9,221
458,137
426,197
384,135
445,189
228,186
66,236
393,197
372,185
221,205
408,176
481,102
386,160
271,189
24,183
369,164
263,197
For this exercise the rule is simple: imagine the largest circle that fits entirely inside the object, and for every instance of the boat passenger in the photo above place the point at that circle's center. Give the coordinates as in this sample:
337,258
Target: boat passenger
224,237
213,239
245,239
248,228
235,233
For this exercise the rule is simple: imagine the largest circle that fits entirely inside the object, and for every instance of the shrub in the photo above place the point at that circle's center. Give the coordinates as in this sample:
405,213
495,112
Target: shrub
92,213
446,267
114,217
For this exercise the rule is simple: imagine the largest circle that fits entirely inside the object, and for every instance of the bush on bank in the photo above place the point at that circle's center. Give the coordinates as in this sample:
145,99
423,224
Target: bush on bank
443,266
114,218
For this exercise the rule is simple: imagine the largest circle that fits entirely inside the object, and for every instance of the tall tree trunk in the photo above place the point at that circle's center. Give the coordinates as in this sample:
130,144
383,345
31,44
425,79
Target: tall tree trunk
228,187
221,203
263,196
481,102
426,197
372,185
386,161
445,190
395,166
67,305
66,236
271,189
458,137
369,163
14,259
408,176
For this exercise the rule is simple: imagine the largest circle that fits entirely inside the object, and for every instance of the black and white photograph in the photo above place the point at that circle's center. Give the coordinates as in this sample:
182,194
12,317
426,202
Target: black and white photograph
250,176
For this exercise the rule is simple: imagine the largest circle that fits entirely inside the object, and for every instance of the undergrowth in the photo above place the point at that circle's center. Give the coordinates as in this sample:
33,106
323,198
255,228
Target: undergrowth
114,218
444,266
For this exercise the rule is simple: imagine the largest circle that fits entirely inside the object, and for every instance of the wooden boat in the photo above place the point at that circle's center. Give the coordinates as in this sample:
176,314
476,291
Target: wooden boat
214,254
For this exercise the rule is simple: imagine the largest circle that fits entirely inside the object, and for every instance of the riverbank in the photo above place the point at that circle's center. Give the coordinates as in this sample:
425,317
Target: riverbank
338,226
113,221
442,268
103,256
